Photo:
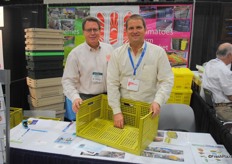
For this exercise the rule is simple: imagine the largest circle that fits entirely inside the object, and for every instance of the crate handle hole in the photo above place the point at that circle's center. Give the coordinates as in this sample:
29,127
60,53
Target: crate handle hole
91,103
127,104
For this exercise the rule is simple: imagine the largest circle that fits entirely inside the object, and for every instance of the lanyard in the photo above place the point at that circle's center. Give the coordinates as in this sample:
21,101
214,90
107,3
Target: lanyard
140,59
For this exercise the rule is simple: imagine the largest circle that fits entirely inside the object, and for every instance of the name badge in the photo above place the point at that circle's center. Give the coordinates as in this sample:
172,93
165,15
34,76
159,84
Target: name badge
97,77
133,84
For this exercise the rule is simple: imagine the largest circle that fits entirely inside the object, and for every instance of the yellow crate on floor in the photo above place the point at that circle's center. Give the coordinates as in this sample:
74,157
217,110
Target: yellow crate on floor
182,78
180,96
94,122
16,116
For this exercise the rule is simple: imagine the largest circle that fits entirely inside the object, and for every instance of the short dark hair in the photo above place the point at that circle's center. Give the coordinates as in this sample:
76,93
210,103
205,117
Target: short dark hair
90,19
136,16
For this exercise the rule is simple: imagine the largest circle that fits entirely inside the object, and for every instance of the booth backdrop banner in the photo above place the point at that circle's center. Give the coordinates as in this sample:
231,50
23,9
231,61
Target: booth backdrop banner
168,26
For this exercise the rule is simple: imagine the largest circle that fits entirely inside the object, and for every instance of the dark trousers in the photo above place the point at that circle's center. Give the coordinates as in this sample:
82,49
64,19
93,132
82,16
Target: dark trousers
224,111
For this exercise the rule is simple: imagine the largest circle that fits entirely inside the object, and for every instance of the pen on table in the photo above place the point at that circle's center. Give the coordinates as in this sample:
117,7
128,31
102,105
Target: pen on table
25,132
38,130
67,126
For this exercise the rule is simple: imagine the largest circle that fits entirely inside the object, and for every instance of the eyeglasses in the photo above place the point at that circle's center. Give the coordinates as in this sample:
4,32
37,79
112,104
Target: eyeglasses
95,30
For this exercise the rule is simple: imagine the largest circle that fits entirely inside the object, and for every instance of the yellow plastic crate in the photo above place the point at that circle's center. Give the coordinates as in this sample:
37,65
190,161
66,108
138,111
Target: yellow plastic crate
16,116
94,122
180,96
182,78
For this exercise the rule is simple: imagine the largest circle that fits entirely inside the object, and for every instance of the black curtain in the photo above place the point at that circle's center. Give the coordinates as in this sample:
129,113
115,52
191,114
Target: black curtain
209,25
17,18
205,32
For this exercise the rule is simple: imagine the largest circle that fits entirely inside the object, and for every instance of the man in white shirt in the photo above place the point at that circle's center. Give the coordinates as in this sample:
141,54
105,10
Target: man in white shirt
217,78
138,70
86,66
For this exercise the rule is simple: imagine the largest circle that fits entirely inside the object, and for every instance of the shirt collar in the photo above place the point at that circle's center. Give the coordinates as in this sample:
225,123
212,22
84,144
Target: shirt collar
140,49
92,49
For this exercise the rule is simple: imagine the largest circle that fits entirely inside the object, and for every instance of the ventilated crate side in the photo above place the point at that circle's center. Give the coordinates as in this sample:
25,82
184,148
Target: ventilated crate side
148,128
90,109
130,112
180,96
182,78
16,116
128,108
107,113
12,124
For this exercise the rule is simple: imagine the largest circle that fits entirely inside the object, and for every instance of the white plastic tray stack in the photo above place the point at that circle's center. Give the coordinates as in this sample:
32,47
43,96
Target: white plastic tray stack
41,39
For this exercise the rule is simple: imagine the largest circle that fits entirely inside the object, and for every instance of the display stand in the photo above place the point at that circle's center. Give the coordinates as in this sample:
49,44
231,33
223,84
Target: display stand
5,81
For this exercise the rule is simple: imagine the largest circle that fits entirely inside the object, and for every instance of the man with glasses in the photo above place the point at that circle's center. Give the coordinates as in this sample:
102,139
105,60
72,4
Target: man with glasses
86,66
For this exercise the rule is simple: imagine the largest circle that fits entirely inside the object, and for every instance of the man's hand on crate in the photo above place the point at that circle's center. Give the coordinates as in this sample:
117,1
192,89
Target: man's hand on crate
76,104
155,109
118,120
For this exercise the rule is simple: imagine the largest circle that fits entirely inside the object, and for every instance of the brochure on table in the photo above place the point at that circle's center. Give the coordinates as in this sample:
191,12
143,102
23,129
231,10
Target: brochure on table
60,138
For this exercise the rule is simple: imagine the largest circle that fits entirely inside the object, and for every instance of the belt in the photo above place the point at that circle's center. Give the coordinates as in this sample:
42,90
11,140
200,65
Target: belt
87,96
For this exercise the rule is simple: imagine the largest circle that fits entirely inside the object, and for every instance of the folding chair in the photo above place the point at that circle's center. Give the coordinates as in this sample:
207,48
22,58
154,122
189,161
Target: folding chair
177,117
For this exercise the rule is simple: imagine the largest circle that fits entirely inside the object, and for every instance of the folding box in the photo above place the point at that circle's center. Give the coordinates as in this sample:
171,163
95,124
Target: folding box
44,41
45,101
58,106
43,33
44,47
37,83
45,92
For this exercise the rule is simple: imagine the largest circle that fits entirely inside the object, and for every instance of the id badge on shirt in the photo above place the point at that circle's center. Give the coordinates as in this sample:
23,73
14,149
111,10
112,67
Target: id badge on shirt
133,84
97,77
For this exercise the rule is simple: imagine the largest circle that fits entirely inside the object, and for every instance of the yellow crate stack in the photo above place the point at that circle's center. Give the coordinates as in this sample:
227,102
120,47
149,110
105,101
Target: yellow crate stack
181,91
94,122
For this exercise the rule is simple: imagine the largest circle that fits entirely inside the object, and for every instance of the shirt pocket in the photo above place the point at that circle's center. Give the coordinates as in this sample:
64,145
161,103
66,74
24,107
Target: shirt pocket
148,73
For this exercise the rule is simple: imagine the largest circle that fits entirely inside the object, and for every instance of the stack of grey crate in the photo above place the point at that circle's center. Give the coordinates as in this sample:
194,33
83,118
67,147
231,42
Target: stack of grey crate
45,55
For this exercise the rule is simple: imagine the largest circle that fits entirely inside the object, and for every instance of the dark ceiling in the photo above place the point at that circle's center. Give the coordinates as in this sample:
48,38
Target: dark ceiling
12,2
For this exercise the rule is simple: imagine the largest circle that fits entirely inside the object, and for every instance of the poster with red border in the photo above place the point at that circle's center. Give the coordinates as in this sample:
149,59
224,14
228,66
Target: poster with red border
168,26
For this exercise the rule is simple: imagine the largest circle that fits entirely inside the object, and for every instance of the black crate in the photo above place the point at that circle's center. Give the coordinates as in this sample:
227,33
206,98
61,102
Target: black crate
44,58
45,65
42,74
